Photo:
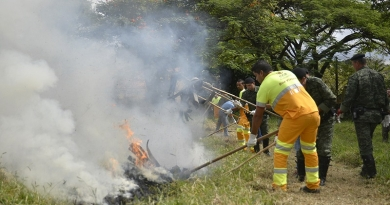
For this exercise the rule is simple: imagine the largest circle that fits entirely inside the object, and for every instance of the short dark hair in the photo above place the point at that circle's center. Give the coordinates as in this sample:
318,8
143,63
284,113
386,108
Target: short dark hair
240,81
261,65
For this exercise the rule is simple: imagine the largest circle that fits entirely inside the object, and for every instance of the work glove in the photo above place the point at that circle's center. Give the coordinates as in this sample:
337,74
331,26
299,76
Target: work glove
386,121
276,138
252,112
237,103
251,141
229,111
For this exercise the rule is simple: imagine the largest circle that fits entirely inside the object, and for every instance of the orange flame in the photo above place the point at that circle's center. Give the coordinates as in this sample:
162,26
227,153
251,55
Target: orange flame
135,146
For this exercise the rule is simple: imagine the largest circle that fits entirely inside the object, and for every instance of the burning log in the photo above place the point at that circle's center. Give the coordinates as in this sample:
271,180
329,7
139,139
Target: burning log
141,158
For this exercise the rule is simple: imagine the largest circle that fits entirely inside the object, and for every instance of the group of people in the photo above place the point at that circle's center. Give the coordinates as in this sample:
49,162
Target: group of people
307,107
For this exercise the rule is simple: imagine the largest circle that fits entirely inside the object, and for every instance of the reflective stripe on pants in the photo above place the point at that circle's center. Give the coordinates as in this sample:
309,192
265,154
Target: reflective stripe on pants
305,126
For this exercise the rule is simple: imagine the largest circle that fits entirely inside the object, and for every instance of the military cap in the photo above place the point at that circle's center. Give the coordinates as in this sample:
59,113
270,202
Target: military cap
357,56
300,72
249,80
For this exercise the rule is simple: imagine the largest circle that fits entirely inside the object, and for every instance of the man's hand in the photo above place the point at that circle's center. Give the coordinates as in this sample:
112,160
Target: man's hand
252,112
386,121
252,140
229,111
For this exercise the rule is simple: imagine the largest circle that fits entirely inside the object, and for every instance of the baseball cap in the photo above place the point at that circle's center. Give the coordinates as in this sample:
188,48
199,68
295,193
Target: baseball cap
357,56
249,80
300,72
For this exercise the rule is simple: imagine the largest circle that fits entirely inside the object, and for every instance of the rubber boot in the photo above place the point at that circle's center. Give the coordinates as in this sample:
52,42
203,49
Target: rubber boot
323,167
301,170
369,168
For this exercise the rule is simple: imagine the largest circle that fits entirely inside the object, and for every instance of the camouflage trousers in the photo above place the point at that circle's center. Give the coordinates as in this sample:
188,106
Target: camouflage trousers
324,139
364,134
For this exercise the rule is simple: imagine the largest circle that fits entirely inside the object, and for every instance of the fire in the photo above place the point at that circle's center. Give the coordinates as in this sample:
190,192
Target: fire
135,146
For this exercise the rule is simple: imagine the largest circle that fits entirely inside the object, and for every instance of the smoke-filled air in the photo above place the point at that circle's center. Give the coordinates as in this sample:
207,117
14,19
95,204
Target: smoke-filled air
68,83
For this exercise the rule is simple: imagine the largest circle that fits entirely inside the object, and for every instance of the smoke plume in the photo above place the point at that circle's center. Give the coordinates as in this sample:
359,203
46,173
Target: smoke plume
66,85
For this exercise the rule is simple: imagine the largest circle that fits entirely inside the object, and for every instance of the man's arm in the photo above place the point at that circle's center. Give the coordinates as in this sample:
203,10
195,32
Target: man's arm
328,98
257,120
350,93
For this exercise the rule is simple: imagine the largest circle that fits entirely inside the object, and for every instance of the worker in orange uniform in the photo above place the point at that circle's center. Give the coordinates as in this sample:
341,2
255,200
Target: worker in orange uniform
243,123
286,95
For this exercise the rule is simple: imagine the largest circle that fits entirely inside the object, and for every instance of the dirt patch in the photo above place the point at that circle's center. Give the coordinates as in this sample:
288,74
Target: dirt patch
343,186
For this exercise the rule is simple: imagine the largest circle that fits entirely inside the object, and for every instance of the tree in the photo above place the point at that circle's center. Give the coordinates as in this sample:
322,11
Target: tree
295,33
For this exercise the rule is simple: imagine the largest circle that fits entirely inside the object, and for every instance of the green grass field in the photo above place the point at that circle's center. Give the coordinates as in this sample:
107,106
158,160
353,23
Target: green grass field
249,184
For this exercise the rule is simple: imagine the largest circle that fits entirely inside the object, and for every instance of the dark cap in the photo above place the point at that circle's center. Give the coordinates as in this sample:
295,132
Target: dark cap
249,80
357,56
300,72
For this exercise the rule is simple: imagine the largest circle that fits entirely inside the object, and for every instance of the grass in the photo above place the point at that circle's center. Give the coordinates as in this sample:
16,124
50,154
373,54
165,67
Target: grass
251,183
13,191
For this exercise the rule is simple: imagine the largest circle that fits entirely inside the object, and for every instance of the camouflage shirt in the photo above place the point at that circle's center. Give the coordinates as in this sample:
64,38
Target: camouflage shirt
322,95
366,89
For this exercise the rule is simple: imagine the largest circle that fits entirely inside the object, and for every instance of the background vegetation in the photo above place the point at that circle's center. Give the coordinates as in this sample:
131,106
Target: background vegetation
316,34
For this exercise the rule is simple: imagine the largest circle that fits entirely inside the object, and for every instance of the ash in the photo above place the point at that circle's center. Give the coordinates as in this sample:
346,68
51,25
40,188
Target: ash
149,179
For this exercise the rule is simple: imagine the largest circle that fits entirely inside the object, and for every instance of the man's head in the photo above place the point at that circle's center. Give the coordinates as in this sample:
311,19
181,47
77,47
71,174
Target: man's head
302,74
358,61
249,83
240,84
261,69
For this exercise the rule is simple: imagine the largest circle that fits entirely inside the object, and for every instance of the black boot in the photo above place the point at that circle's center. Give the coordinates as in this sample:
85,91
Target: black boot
369,168
323,165
301,170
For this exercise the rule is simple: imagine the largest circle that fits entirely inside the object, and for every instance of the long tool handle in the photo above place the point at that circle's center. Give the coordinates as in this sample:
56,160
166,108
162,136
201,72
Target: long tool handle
216,105
233,151
261,151
221,129
209,86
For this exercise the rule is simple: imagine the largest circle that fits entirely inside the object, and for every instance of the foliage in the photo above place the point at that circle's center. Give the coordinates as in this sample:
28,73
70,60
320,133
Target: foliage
295,33
336,77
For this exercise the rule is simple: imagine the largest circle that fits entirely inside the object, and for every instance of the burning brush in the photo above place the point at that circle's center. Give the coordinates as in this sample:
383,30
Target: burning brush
142,169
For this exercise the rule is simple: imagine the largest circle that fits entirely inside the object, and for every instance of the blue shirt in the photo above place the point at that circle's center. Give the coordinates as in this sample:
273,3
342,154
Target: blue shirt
227,105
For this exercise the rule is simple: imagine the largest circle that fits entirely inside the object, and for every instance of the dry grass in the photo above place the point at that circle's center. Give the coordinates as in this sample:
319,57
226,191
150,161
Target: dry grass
251,183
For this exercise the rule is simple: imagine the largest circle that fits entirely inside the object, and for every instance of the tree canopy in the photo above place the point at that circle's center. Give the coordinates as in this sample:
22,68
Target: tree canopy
293,33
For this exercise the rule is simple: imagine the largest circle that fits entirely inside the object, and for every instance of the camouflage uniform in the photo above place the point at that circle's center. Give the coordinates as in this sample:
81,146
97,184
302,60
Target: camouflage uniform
385,131
325,100
250,96
366,96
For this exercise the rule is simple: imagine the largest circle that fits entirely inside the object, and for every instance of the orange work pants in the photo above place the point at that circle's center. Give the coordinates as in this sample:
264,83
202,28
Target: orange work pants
306,127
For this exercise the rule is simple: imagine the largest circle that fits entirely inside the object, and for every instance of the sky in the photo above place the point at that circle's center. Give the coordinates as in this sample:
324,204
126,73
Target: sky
65,95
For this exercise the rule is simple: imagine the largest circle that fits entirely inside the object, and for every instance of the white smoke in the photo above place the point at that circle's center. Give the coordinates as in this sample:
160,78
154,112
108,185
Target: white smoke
63,97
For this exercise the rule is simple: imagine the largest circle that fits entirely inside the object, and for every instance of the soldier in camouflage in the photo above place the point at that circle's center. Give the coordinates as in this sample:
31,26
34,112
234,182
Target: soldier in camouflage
366,98
326,101
250,95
